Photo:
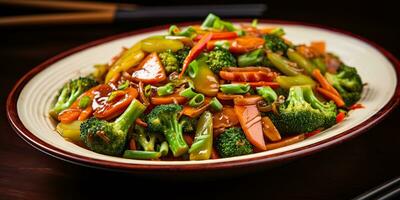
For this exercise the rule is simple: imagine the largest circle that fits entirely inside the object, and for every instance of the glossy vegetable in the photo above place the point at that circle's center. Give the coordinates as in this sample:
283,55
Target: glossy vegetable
197,100
235,88
117,105
270,130
159,44
194,52
285,142
250,121
165,89
70,130
247,76
203,140
283,64
173,98
267,93
129,58
301,61
205,81
287,82
150,70
110,137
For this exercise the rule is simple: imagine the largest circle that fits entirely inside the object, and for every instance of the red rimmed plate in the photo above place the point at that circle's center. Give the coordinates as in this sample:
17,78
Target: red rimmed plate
30,99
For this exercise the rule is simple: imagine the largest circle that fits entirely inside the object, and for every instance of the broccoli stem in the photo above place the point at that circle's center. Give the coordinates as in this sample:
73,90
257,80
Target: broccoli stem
174,137
311,98
134,110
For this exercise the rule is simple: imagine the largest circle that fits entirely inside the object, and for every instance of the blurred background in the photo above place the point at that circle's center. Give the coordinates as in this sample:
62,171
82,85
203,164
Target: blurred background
341,172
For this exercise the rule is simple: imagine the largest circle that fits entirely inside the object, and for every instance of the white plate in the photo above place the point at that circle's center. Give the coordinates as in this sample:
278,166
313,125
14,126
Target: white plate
30,118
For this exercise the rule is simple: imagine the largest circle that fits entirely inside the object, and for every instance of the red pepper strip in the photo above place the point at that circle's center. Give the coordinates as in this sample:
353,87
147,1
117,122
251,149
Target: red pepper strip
356,106
312,133
259,84
114,108
194,52
219,36
340,117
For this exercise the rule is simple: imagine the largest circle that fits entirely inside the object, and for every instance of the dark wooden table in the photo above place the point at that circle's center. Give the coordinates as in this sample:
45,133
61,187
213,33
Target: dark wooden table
341,172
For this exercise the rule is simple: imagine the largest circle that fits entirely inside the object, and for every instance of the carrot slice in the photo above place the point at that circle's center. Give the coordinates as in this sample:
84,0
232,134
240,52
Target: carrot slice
319,46
250,121
285,142
193,112
328,94
114,108
247,76
69,115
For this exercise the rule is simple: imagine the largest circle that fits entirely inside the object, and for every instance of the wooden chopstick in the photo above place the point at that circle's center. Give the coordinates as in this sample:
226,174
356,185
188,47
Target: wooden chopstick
64,5
62,18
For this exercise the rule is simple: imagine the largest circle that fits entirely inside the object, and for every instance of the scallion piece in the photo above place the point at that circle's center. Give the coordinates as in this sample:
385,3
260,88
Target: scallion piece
188,93
267,93
235,88
193,69
166,89
215,104
197,100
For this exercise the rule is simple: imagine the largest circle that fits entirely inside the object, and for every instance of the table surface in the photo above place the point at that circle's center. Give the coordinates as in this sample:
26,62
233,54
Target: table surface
341,172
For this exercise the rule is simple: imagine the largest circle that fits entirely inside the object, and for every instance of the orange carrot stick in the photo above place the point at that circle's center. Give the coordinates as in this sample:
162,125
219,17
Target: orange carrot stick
328,94
316,73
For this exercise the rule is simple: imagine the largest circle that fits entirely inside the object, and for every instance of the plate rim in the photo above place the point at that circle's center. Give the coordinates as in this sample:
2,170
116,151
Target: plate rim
30,138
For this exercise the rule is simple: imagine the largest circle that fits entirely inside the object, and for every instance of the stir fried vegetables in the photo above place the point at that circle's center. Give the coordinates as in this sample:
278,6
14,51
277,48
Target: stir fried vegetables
208,91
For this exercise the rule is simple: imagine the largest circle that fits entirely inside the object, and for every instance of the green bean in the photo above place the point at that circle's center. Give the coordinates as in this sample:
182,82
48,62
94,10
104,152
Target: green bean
235,88
303,62
215,104
320,63
188,93
84,102
197,100
267,93
166,89
202,145
287,82
282,64
193,69
141,155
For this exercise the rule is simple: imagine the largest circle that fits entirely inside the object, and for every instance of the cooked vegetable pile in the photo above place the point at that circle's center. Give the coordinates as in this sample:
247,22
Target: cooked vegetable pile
207,91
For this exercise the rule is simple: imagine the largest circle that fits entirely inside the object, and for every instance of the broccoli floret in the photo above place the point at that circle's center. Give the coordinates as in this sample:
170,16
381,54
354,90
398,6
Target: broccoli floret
220,58
173,61
164,119
69,93
169,61
296,115
110,137
348,83
328,109
233,142
275,43
188,124
181,55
